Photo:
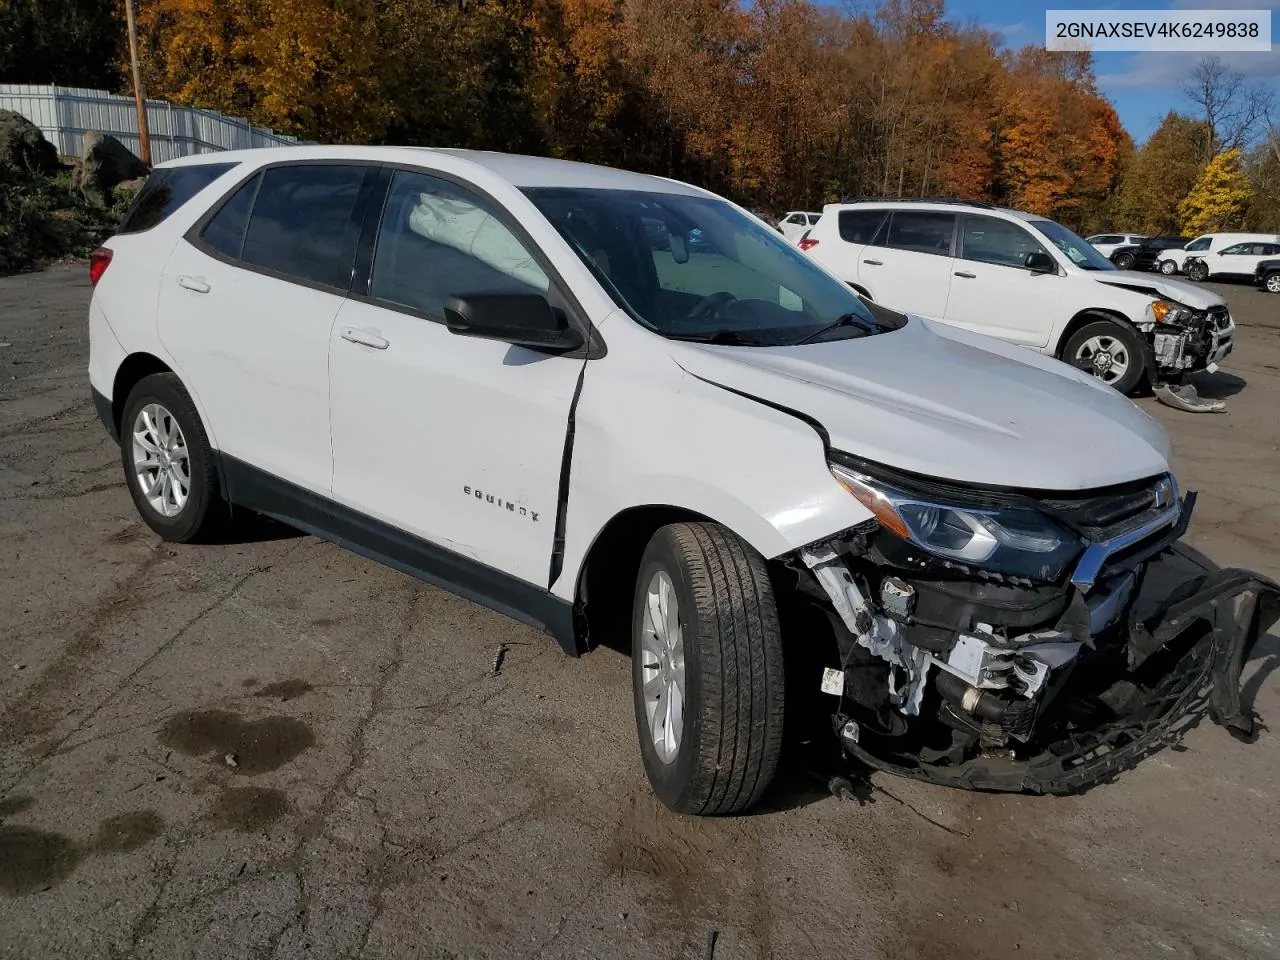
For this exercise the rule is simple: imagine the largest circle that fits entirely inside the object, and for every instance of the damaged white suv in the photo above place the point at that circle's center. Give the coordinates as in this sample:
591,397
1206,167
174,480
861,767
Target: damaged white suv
617,406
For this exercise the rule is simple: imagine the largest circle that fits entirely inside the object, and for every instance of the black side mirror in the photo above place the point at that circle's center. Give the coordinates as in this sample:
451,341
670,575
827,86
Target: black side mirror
526,319
1039,262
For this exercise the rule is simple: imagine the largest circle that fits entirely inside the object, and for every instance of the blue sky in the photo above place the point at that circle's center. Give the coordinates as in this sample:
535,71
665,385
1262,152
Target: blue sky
1142,86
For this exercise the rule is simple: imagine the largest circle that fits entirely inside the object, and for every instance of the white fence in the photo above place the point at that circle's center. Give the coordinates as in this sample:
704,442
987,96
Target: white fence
64,114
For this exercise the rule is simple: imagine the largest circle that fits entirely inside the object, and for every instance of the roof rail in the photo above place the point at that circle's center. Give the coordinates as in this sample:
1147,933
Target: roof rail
982,204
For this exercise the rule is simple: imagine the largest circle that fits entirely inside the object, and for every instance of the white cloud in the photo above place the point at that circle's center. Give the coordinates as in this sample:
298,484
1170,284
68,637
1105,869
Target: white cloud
1151,70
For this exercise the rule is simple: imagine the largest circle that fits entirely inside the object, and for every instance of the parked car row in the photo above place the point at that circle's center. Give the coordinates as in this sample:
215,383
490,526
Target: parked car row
1026,280
1200,258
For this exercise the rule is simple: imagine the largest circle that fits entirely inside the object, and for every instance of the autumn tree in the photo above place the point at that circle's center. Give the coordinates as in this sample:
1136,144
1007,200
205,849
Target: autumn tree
1219,198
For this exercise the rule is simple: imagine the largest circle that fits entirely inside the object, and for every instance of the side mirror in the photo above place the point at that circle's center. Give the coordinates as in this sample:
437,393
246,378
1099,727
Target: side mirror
679,248
526,319
1039,262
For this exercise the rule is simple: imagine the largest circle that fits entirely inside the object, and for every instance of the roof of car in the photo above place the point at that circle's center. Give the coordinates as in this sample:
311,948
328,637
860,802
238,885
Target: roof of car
517,169
939,206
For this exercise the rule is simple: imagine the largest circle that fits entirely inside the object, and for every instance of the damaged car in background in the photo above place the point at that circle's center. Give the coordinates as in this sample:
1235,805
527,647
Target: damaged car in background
622,410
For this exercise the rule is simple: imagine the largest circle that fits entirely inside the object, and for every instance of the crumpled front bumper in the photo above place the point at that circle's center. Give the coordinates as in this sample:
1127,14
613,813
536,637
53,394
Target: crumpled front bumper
1184,658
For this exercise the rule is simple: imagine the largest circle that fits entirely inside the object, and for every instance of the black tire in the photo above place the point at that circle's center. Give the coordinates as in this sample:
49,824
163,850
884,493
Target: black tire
1124,261
1271,283
1134,346
1168,267
733,670
1196,270
204,515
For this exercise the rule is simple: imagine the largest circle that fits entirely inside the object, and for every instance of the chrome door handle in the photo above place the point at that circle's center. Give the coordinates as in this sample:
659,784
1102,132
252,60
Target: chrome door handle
970,276
874,263
366,338
194,284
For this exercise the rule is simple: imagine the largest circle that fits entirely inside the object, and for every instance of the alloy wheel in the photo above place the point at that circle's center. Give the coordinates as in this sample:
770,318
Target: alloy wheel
161,461
662,666
1105,357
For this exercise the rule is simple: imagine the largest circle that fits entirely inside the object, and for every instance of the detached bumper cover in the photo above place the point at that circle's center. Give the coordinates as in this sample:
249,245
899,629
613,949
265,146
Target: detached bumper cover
1221,613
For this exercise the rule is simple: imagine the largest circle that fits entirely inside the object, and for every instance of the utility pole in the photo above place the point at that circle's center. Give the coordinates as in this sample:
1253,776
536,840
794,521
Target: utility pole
138,95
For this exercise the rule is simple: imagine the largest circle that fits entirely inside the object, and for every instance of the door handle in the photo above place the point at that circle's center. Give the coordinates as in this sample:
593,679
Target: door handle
969,276
194,284
366,338
874,263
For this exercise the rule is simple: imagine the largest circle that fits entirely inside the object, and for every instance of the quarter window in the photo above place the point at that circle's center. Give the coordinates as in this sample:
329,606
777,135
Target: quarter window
922,232
859,226
989,240
225,232
305,222
438,240
167,189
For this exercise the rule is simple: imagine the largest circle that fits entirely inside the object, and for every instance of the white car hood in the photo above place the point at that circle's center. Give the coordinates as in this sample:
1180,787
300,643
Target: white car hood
949,404
1198,298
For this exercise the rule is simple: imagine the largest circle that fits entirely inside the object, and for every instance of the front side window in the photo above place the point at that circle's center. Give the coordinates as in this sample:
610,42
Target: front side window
305,222
438,240
167,189
859,226
922,232
990,240
1083,255
1237,249
1200,243
717,276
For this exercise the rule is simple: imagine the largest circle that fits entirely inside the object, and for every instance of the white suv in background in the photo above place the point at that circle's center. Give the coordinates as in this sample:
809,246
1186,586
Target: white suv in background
1236,260
1173,261
523,380
1024,279
1107,243
795,223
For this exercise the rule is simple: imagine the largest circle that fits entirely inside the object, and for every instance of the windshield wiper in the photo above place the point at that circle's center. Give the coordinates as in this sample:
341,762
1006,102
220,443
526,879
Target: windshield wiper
848,320
724,337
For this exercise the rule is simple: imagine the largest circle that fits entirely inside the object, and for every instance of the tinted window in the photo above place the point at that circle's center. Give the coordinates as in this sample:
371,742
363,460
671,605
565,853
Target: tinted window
1106,238
437,240
1237,248
225,232
304,222
1200,244
813,218
988,240
922,232
165,191
859,226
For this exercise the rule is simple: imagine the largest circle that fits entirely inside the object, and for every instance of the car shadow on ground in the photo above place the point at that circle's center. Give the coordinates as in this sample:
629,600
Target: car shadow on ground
1218,386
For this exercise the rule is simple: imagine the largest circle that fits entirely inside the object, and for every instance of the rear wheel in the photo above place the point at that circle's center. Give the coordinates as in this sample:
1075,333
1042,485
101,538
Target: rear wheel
1124,261
707,673
1272,283
1110,350
1196,270
168,463
1168,268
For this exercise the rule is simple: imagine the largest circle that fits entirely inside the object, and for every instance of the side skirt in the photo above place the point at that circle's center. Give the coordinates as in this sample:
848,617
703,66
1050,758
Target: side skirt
248,487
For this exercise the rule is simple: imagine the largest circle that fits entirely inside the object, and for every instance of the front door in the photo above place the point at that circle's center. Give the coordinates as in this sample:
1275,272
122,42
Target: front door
993,293
453,439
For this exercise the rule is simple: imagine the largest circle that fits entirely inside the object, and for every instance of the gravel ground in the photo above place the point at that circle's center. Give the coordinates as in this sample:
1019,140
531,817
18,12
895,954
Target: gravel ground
387,797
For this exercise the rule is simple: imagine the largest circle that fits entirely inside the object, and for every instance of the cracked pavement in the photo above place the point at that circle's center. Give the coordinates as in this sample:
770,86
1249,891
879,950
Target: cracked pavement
275,748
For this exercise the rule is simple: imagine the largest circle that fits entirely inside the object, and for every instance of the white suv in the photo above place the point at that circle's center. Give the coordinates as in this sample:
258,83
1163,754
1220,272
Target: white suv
1235,260
1173,260
1026,280
523,380
1107,243
795,223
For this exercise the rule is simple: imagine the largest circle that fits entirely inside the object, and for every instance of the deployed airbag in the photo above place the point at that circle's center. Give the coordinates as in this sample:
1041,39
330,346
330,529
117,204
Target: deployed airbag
465,227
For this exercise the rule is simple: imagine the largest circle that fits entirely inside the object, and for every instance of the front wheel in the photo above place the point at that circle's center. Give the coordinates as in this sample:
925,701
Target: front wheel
1197,270
706,668
1272,283
1124,261
1110,350
1168,268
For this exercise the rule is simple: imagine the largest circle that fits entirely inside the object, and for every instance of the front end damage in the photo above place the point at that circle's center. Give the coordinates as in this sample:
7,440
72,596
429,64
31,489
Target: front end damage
961,675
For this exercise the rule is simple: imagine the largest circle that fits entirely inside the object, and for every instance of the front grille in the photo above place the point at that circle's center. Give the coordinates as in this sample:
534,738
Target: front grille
1101,516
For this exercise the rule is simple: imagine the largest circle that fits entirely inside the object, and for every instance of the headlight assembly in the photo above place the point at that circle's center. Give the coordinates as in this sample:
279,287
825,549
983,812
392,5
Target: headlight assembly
1013,540
1166,311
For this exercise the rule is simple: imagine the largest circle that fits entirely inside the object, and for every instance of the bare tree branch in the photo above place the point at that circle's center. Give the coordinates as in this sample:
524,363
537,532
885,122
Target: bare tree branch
1230,107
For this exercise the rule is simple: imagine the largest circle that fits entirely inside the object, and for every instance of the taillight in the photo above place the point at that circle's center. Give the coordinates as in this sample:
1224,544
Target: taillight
99,260
807,242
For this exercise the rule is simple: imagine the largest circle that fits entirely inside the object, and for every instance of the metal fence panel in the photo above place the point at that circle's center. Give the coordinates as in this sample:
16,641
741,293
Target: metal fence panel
65,114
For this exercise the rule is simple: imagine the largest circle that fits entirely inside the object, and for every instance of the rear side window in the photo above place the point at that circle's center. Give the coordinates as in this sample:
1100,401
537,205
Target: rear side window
305,222
922,232
859,226
167,189
225,232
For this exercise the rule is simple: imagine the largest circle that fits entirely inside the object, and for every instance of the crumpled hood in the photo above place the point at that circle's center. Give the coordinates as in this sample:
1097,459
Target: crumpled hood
949,404
1158,285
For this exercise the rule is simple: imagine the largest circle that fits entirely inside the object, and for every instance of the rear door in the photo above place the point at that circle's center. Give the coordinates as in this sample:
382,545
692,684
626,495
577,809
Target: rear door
994,293
908,264
247,302
456,440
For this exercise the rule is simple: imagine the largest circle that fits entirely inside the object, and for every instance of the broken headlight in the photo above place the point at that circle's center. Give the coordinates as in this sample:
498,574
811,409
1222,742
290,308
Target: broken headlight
1018,541
1169,312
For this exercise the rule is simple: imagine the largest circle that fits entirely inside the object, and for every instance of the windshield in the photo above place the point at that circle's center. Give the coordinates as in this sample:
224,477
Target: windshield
694,268
1082,254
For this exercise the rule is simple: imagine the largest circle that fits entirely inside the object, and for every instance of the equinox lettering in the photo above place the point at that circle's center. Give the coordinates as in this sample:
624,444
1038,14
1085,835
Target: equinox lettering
499,502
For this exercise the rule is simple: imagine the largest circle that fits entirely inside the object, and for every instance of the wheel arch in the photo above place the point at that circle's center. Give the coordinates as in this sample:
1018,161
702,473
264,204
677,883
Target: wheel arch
1086,316
131,370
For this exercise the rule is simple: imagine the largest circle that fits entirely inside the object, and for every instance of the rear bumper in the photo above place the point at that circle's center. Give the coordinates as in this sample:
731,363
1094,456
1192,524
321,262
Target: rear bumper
1180,660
